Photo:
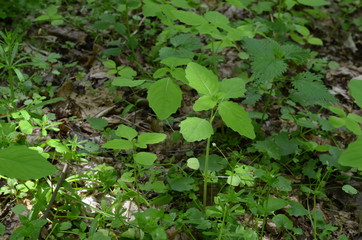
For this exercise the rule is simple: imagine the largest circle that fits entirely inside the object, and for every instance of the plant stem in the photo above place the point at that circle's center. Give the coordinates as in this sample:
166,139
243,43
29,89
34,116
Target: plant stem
207,154
59,184
206,170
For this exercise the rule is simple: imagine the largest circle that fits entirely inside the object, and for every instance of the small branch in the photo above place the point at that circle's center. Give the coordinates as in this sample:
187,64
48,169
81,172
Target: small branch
59,184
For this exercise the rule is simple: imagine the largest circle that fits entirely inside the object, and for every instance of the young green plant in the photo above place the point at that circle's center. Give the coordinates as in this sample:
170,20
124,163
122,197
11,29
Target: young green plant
131,140
214,97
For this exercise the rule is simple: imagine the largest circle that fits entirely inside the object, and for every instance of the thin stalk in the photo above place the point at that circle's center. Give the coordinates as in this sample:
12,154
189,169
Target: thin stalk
59,184
206,170
207,155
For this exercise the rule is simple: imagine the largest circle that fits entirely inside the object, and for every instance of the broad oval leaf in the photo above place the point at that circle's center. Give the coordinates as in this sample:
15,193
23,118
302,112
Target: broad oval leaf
236,118
233,88
126,132
145,158
109,64
204,103
119,144
181,184
272,204
97,123
22,163
25,127
164,97
349,189
201,79
150,138
352,156
193,163
195,129
283,221
217,18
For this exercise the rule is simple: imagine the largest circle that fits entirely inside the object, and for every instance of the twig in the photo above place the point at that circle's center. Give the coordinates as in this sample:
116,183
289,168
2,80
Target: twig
59,184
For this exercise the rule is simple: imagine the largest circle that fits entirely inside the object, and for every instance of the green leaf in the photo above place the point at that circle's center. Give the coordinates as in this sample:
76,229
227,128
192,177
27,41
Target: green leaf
297,209
110,64
353,126
272,204
133,233
59,147
239,3
22,163
302,30
160,72
202,79
119,144
97,123
193,163
233,88
283,184
189,18
313,3
19,74
355,87
338,111
204,103
150,138
181,184
25,127
181,4
2,229
164,97
19,209
126,82
315,41
216,163
355,117
349,189
235,117
150,9
282,221
352,155
173,62
179,74
127,72
233,180
336,121
126,132
195,129
216,18
145,158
